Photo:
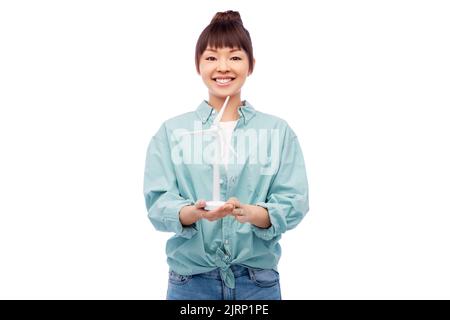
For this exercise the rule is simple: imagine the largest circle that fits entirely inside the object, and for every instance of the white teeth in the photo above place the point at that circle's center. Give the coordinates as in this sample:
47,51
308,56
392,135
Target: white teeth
223,80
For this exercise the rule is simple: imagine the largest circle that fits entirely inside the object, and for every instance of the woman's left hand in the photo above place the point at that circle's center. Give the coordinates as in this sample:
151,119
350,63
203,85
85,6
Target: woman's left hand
253,214
240,212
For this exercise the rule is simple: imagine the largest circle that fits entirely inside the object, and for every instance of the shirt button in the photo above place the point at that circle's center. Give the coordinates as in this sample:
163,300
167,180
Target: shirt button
226,241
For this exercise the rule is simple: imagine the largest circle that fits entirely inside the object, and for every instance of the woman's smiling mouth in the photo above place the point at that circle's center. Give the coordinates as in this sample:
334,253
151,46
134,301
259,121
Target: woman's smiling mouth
223,81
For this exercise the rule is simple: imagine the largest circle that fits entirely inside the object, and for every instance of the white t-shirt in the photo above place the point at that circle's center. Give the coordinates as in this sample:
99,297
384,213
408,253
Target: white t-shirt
227,129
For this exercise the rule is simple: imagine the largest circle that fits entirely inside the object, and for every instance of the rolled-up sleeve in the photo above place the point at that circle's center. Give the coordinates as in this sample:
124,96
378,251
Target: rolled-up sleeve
162,197
287,200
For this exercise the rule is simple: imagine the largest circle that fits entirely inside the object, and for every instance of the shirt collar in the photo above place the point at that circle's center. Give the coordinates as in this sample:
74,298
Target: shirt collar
205,111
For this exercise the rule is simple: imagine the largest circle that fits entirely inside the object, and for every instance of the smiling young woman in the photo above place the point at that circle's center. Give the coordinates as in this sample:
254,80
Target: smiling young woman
231,252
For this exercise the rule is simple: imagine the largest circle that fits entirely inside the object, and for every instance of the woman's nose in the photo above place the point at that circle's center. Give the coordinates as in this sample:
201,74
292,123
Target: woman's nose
223,65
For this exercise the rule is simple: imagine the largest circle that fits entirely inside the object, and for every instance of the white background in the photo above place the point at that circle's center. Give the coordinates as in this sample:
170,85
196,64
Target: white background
85,84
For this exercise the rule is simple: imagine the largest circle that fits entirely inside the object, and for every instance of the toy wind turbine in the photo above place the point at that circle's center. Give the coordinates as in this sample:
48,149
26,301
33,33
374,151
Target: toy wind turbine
216,130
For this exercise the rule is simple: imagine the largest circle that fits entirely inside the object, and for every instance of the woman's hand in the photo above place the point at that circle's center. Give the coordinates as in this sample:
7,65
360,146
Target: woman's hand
218,213
243,213
255,215
191,214
240,212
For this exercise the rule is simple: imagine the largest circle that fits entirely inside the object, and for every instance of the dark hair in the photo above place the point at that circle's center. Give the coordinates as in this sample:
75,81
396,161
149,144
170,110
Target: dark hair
225,30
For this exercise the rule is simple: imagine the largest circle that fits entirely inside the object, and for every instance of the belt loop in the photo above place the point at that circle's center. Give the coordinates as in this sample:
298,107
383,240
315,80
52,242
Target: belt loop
251,274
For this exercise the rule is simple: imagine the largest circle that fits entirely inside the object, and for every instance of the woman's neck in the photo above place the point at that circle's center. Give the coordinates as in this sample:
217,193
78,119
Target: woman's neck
231,112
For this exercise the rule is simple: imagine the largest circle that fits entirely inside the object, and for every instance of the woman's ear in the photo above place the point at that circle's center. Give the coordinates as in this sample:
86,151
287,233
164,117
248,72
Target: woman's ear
254,62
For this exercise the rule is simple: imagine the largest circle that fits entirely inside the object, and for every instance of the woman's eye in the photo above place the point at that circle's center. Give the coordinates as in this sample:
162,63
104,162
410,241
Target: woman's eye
214,58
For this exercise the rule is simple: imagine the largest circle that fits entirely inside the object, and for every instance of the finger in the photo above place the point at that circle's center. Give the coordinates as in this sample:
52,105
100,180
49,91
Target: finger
207,214
241,219
234,201
212,215
215,215
238,212
214,211
228,207
200,204
223,212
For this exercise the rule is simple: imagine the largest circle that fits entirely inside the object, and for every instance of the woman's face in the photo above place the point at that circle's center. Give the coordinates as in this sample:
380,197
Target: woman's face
224,70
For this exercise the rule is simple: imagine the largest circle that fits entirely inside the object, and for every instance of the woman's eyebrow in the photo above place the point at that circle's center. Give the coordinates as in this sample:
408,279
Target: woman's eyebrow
232,50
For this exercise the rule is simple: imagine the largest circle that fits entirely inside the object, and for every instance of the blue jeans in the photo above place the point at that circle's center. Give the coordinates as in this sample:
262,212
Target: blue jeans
251,284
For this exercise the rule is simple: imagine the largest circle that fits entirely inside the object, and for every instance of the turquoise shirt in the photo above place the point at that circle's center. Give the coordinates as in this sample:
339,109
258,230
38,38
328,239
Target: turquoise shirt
267,170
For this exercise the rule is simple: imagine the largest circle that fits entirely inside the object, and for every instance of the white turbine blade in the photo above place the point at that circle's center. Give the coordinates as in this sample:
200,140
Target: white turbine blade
232,149
229,146
219,116
223,142
216,170
216,182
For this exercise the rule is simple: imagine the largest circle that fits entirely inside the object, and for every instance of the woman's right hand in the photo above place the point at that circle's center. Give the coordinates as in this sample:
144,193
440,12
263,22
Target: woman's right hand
218,213
191,214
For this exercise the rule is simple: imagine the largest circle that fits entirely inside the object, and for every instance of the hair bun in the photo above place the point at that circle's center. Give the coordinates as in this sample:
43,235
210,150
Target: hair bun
227,17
